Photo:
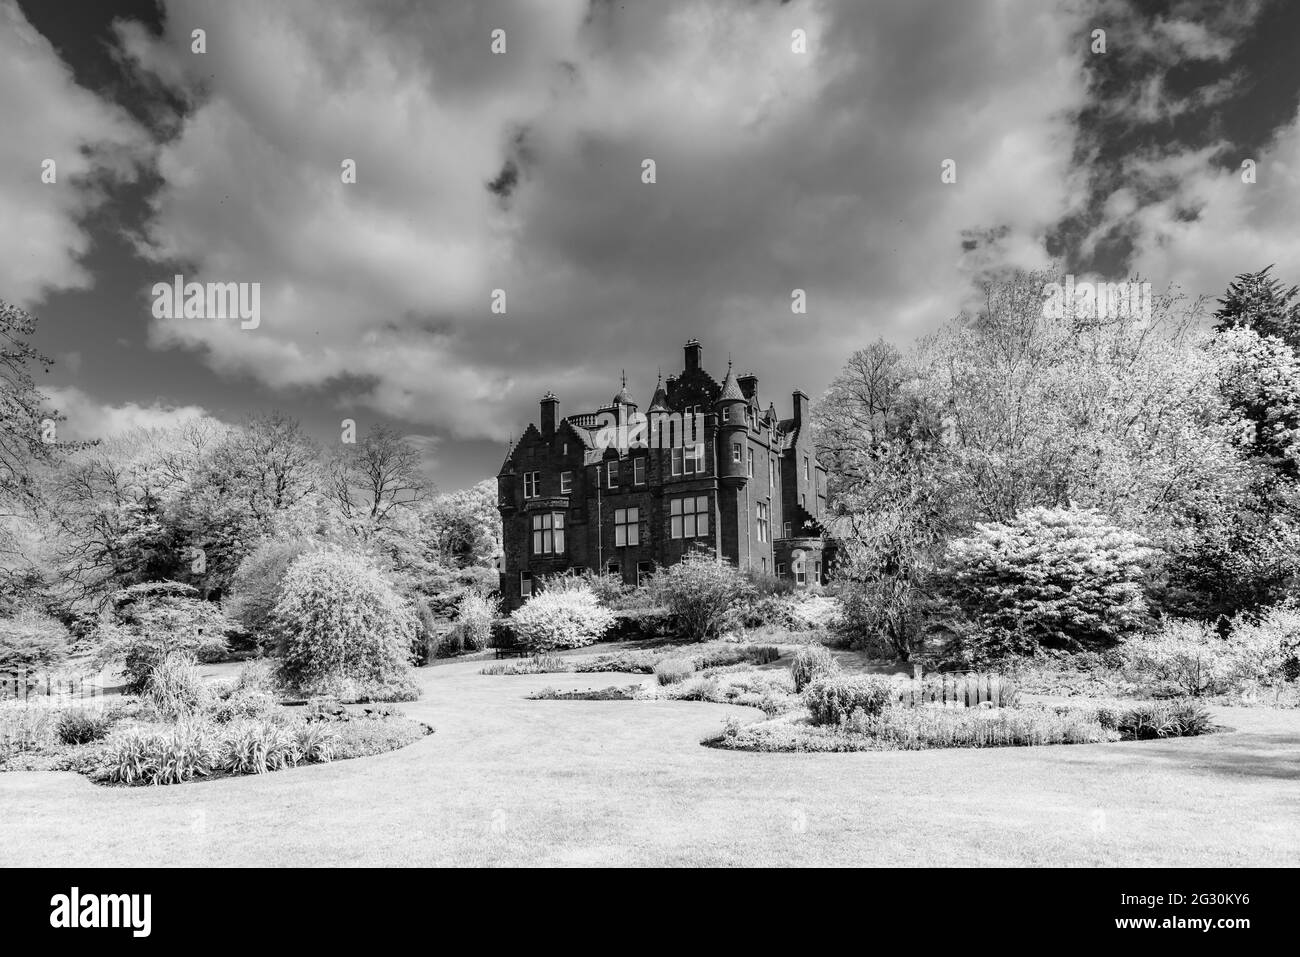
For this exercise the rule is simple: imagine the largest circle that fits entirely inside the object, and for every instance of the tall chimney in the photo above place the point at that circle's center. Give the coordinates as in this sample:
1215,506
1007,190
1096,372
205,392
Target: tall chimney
800,402
749,385
693,352
550,408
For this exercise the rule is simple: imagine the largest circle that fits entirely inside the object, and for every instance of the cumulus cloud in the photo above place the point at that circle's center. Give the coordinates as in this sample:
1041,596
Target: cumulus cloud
88,418
46,116
775,170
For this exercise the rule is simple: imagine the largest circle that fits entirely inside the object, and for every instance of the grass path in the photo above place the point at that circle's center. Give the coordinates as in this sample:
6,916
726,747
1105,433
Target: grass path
509,781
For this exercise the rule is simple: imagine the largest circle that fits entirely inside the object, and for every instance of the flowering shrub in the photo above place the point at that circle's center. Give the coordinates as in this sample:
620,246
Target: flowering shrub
568,618
474,618
340,621
1269,642
1059,578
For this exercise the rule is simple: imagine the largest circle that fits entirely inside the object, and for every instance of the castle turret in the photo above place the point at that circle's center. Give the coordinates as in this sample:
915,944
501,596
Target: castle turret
730,406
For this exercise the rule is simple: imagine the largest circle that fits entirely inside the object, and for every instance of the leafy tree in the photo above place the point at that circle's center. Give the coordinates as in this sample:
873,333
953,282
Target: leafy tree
32,640
154,620
701,592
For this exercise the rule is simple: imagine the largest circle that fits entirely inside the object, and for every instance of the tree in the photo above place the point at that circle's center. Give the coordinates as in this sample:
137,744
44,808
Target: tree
342,626
1260,302
701,592
153,620
375,479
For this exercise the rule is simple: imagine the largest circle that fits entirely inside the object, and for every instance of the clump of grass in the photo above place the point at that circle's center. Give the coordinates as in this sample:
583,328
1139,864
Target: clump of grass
174,688
670,671
160,756
811,663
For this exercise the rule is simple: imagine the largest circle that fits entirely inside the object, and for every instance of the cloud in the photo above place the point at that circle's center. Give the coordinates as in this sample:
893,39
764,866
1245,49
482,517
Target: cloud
46,116
775,170
88,418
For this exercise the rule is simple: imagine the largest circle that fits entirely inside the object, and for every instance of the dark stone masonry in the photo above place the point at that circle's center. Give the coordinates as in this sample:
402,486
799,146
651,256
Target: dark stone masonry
620,491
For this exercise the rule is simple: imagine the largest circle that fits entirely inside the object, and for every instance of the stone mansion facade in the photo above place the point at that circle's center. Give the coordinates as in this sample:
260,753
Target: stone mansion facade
620,492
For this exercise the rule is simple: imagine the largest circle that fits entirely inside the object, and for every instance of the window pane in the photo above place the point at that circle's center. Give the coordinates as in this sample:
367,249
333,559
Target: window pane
559,519
676,526
620,536
537,543
703,520
559,542
688,526
634,514
702,503
676,507
634,534
620,515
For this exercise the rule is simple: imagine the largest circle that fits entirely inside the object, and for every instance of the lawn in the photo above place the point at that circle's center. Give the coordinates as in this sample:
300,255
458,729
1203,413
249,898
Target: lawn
509,781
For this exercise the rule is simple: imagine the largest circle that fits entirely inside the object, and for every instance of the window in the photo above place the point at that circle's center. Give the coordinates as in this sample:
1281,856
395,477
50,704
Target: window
771,475
566,483
726,415
614,570
638,471
530,484
525,584
805,468
817,572
737,453
643,571
566,448
548,533
764,561
799,577
689,460
787,530
627,527
763,524
689,517
780,569
613,475
751,463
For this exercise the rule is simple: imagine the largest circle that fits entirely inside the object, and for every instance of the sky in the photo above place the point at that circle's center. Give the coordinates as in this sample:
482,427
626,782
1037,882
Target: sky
796,145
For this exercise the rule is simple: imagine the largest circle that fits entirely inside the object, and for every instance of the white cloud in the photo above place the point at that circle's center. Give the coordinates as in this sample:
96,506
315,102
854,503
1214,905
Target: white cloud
46,116
87,418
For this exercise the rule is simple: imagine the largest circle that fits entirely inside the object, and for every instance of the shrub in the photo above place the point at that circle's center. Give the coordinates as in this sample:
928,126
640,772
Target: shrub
635,624
474,618
80,726
174,688
568,618
256,676
244,704
1059,578
672,670
833,700
1268,643
32,640
255,587
1193,659
811,663
25,729
153,620
341,621
313,744
701,593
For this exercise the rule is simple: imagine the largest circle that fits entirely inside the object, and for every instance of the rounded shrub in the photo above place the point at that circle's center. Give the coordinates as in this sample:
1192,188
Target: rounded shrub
80,726
834,700
569,618
672,670
341,623
812,662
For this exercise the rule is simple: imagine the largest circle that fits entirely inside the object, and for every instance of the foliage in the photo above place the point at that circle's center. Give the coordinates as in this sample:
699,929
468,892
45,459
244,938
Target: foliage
25,729
701,592
1051,577
1260,302
474,618
174,688
153,620
672,670
32,640
770,691
356,739
834,699
243,704
82,726
170,755
255,587
532,665
1194,659
1163,719
812,663
568,618
339,620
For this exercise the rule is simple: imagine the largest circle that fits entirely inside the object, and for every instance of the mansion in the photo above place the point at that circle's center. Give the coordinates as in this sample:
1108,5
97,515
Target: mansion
621,492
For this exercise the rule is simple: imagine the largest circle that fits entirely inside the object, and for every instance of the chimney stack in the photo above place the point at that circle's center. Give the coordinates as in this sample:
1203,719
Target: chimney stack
693,352
800,402
749,386
550,409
